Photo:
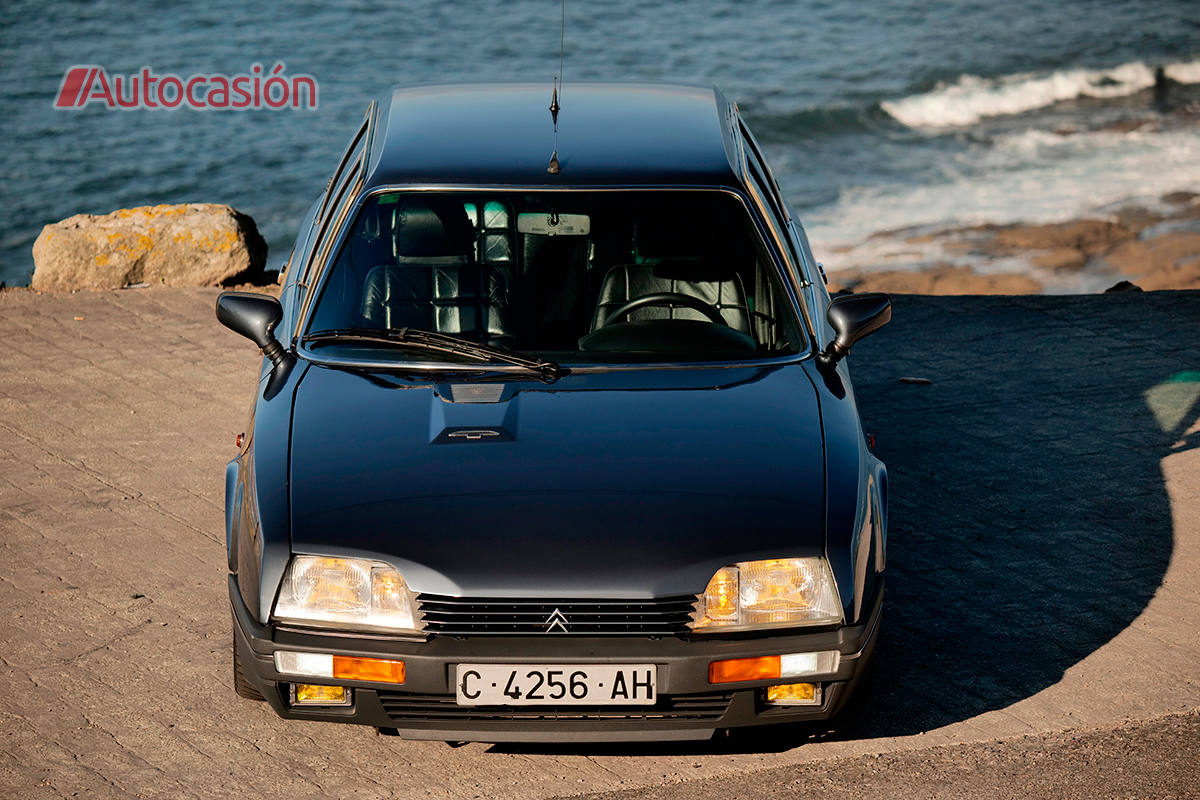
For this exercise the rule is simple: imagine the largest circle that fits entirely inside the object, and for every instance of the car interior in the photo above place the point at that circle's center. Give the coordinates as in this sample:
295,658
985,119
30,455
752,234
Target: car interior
635,273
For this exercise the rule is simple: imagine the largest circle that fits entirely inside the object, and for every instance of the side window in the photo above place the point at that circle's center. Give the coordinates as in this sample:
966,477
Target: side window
349,156
755,159
774,216
340,192
817,287
809,271
327,228
349,169
765,184
811,283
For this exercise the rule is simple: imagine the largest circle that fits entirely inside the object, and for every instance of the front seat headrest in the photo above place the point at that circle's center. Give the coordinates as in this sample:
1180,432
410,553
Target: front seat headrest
433,232
685,231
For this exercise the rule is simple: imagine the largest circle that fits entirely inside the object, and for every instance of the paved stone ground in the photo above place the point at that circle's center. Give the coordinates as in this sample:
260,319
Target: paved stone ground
1156,758
1044,569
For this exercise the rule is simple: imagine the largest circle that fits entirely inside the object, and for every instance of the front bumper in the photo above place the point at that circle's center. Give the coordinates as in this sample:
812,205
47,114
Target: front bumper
689,707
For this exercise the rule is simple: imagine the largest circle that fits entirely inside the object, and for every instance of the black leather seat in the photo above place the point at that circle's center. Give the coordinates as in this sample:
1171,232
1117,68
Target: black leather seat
680,253
434,283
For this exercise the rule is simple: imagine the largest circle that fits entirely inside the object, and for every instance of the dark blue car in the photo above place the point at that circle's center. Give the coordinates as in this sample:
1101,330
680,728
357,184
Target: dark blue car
554,438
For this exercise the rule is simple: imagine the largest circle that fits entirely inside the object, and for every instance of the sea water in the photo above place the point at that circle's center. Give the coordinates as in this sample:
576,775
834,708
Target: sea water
877,115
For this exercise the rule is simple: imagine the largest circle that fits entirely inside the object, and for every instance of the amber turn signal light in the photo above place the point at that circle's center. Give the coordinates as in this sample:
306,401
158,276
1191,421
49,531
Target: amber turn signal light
788,665
744,669
368,669
347,668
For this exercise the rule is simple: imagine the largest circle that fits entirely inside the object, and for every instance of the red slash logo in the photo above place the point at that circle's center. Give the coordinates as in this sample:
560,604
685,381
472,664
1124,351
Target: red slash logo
72,93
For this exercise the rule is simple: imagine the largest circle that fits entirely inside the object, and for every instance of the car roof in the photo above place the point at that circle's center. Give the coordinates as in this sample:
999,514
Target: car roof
609,134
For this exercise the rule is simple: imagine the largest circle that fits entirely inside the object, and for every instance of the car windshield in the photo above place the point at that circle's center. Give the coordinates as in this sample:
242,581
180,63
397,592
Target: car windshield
572,276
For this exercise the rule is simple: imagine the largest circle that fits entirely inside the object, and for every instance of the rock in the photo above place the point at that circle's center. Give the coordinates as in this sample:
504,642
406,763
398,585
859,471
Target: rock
1060,258
1125,125
1180,198
1135,218
1123,286
941,279
1153,245
198,244
1164,262
1089,236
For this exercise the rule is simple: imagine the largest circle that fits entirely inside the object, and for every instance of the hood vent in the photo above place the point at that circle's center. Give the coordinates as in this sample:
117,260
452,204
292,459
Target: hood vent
485,417
475,392
464,435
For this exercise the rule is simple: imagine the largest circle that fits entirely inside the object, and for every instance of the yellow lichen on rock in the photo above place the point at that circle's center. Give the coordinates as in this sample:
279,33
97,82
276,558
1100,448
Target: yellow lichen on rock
195,244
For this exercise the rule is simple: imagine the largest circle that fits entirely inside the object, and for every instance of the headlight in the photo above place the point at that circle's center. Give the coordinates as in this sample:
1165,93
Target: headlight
777,593
347,593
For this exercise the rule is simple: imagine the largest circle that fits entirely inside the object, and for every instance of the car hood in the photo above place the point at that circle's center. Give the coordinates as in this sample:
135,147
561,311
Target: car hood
607,485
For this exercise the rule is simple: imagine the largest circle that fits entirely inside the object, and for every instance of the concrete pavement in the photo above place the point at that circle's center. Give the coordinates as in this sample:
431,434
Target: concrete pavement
1044,570
1137,760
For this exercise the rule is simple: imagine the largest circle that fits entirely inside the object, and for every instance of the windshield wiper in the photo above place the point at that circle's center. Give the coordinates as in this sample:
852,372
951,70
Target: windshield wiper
438,342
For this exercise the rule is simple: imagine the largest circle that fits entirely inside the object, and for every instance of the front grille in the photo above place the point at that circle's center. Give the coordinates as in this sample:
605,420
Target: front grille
404,707
456,616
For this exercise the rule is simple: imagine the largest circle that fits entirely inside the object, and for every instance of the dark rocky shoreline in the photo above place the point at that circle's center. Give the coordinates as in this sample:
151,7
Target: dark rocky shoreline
1153,249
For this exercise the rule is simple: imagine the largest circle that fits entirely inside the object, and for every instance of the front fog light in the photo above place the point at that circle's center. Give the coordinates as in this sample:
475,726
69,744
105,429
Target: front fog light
794,694
311,694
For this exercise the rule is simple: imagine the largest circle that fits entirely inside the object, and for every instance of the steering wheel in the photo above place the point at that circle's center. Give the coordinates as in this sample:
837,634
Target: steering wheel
664,299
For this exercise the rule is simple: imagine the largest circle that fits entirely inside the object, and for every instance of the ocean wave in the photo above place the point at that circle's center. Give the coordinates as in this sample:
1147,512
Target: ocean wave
971,98
1028,177
789,126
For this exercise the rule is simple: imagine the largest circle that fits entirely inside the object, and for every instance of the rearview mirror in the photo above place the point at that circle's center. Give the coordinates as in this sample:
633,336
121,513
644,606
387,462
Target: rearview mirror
554,224
853,317
255,317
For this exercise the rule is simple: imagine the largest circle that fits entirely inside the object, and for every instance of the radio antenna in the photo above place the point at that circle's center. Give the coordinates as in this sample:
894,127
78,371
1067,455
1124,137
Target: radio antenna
562,38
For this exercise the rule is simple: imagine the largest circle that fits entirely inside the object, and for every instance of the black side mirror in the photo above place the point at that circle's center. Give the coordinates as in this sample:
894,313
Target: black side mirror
854,316
255,317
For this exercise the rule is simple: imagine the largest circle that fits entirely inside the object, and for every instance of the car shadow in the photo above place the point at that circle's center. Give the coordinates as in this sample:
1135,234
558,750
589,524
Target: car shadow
1029,520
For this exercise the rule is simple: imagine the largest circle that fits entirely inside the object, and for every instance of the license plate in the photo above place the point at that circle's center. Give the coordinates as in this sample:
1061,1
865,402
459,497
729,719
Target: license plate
556,684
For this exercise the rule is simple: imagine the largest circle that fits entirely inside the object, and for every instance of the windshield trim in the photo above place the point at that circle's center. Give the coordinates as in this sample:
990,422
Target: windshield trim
767,242
575,368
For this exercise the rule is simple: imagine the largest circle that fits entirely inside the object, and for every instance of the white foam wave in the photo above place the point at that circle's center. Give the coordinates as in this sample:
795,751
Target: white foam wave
1184,73
1029,176
971,98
